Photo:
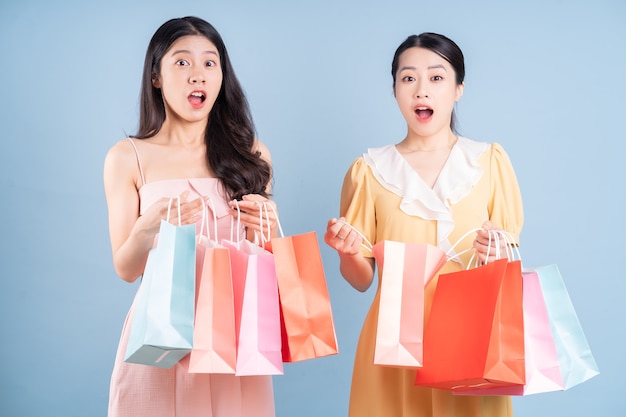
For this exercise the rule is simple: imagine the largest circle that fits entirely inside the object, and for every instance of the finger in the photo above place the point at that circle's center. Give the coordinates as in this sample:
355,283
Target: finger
252,221
343,231
351,245
183,196
248,204
190,211
253,197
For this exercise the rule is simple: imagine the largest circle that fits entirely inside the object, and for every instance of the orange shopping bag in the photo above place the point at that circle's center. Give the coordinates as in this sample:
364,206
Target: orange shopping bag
475,332
214,340
308,329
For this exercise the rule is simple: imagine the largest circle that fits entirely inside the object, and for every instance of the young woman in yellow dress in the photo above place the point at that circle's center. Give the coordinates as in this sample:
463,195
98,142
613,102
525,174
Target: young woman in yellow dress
431,187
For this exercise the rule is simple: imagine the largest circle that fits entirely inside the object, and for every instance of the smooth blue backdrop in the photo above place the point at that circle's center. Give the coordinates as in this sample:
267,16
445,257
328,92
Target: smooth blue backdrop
544,78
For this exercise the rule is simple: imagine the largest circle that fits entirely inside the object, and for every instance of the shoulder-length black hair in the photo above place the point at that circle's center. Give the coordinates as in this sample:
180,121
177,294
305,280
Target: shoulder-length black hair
442,46
230,132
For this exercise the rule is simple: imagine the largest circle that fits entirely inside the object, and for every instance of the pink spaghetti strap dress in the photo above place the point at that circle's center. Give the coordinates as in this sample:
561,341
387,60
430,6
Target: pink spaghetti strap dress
147,391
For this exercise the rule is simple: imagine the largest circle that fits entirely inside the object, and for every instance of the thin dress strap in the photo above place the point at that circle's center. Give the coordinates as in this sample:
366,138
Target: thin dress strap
143,179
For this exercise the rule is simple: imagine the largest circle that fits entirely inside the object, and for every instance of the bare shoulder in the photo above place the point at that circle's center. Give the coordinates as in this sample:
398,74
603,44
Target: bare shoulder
121,160
261,147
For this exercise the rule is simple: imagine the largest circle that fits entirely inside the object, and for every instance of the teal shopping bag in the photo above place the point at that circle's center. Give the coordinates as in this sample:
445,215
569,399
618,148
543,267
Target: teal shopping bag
576,361
161,330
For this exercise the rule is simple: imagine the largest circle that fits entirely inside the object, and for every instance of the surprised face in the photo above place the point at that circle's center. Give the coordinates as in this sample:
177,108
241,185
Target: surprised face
426,91
190,78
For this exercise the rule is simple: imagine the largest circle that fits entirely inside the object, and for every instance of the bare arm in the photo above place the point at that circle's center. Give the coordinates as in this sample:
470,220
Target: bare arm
132,236
354,267
251,205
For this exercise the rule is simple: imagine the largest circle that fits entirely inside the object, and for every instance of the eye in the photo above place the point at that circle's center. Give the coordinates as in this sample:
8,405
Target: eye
408,78
211,64
437,78
182,62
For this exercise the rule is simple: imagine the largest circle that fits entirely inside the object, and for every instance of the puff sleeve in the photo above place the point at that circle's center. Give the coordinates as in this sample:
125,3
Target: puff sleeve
505,205
357,203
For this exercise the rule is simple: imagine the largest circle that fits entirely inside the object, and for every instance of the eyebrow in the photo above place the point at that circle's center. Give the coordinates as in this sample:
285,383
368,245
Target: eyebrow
186,51
431,67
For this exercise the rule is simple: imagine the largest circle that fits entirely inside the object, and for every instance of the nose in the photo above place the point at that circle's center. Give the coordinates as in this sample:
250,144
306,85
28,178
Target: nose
421,93
420,90
197,78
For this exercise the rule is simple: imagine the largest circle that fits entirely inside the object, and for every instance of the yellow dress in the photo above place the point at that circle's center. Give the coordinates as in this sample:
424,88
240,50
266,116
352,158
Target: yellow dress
385,199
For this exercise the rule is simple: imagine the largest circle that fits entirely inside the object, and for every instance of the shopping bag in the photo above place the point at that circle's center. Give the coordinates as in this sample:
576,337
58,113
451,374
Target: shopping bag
214,348
474,334
576,360
257,312
541,359
162,326
307,325
406,268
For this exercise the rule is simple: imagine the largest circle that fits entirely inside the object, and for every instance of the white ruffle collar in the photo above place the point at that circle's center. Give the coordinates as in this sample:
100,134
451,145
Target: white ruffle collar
459,174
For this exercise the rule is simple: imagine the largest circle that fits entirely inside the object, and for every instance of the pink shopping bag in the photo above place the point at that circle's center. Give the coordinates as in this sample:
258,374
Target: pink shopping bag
406,268
257,312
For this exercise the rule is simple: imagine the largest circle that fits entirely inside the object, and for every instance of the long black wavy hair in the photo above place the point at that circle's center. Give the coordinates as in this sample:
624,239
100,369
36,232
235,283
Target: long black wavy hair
442,46
230,132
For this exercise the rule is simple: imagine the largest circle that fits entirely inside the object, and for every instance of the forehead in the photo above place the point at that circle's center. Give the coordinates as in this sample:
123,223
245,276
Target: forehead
421,58
197,44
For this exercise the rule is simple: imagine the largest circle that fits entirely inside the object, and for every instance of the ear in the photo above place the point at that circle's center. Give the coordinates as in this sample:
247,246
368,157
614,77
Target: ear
155,81
459,91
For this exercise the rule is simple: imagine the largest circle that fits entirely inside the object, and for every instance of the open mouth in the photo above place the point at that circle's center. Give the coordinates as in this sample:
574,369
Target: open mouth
196,98
423,113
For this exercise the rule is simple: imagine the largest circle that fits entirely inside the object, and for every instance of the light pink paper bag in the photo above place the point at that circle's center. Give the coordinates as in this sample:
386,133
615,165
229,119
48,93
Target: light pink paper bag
406,269
257,311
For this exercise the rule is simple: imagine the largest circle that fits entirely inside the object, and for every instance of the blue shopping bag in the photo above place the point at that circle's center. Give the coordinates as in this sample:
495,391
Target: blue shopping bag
162,325
576,361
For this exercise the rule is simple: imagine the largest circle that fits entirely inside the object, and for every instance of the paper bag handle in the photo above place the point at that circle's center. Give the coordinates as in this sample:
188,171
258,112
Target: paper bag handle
365,243
169,210
204,222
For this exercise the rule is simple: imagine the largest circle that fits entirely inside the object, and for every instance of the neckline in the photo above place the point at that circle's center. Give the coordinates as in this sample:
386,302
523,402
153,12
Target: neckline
165,180
439,174
462,172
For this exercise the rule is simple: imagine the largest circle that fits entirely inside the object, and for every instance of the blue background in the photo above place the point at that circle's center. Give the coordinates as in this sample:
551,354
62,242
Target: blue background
544,78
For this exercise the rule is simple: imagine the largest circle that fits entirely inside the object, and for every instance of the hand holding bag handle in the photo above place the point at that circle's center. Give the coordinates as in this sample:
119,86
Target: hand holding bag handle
405,269
162,327
257,313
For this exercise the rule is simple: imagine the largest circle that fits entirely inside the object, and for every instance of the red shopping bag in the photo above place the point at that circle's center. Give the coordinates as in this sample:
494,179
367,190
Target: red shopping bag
406,268
214,340
541,358
308,328
474,334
